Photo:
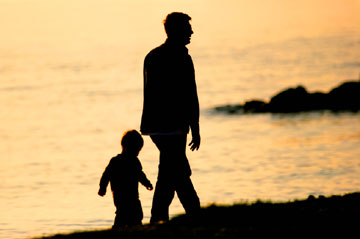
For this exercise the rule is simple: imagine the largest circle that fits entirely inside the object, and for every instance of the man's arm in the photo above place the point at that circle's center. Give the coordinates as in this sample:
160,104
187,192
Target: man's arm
194,110
195,132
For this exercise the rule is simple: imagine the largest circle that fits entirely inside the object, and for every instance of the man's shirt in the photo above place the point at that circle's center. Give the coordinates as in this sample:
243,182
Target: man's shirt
170,97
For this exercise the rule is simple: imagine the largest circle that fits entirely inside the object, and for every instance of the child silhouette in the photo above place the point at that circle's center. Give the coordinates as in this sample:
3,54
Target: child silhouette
124,172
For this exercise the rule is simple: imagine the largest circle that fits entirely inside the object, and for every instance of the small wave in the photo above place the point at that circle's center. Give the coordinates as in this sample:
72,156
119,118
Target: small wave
351,64
18,88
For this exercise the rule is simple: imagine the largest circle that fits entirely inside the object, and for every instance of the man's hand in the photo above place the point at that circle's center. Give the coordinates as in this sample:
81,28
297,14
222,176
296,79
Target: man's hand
195,132
195,143
101,193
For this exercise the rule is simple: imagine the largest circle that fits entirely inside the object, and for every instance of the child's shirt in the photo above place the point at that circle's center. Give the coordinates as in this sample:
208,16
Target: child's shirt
124,174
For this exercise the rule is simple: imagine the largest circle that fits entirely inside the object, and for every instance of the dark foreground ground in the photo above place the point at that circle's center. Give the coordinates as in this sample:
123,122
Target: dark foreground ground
315,217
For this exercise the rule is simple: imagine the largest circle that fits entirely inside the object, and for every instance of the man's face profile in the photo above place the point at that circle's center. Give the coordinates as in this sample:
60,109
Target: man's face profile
187,33
182,34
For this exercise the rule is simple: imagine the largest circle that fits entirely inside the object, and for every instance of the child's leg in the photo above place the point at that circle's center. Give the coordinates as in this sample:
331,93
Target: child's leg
128,212
135,213
119,217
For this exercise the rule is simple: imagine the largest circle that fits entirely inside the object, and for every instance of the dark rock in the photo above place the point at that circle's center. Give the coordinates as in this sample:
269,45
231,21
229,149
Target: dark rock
255,106
290,100
318,101
345,97
230,109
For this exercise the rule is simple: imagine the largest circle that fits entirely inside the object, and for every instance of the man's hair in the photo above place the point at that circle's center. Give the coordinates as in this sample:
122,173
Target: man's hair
175,21
132,140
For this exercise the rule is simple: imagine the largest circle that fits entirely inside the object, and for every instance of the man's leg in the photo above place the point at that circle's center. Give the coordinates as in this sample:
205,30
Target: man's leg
163,196
188,196
174,174
164,189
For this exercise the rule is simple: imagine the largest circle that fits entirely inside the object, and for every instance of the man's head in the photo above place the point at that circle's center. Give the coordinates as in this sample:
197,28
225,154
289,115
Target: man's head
132,142
178,28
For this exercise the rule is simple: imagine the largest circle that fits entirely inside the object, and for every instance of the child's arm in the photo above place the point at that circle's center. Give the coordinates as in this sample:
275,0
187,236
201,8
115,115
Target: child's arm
104,181
102,192
146,182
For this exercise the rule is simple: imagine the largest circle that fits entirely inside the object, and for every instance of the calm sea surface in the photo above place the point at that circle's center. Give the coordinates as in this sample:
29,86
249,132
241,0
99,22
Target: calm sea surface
71,84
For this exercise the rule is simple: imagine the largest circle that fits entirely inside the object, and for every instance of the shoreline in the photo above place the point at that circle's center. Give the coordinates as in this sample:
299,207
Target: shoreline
336,214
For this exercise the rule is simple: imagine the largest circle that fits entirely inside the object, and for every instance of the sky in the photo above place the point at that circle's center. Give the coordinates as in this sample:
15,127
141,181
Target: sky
139,22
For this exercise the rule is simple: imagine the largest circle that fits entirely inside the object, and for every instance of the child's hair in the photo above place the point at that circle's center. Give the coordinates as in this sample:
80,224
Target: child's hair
132,140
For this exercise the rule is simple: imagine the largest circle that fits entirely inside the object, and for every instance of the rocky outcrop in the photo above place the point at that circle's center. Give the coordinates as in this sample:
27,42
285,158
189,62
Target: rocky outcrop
345,97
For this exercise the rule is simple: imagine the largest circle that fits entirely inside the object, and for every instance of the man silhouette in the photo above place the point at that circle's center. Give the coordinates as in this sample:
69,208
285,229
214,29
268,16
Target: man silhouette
170,108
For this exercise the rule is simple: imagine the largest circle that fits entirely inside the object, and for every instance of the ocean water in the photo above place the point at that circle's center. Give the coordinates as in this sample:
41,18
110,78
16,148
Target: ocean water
71,84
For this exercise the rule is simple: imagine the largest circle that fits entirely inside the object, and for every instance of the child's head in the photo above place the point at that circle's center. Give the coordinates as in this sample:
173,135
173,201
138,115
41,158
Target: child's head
132,142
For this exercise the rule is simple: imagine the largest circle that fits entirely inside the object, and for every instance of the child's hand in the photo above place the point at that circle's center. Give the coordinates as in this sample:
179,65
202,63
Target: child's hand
149,188
101,193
